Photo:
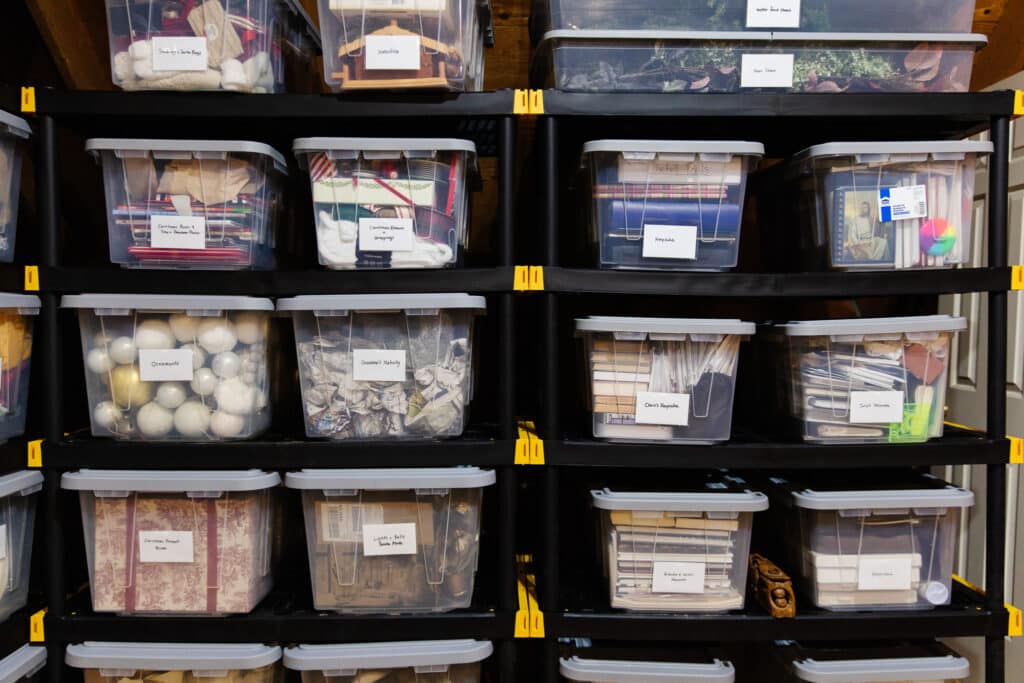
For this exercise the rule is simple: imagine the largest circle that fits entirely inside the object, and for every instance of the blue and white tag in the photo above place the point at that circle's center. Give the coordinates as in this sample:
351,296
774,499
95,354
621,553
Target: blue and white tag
901,203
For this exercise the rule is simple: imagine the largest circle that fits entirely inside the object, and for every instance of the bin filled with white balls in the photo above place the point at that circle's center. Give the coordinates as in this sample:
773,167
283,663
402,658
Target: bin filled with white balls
175,368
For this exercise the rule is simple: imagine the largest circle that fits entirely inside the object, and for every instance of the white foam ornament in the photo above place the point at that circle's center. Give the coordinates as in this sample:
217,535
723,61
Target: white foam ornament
183,327
171,394
216,335
106,414
192,419
99,361
154,420
154,334
235,396
204,381
122,351
226,425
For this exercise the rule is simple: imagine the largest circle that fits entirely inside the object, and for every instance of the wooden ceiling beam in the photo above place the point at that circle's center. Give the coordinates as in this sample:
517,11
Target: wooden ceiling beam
1004,55
987,14
75,31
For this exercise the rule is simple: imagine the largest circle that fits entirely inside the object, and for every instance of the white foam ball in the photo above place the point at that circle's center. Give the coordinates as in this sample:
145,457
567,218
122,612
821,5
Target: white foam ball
198,355
154,334
216,335
204,381
105,414
154,420
226,425
122,351
249,327
170,395
183,327
235,396
192,419
226,364
98,360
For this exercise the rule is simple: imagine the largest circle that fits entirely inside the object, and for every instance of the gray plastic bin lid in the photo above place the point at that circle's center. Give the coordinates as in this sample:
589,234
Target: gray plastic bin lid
392,479
166,481
882,670
15,124
601,323
304,145
766,37
950,496
676,146
832,149
153,145
622,671
22,663
689,501
171,656
23,483
380,302
896,325
390,655
166,302
27,304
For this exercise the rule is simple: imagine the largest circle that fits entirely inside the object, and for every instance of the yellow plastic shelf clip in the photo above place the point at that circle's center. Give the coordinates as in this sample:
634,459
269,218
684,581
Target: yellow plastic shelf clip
528,279
28,100
35,453
523,613
35,627
1016,450
536,616
1017,278
529,448
528,102
31,278
1015,622
1018,103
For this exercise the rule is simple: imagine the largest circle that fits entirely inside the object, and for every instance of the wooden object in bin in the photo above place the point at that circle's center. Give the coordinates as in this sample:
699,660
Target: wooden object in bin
773,588
434,59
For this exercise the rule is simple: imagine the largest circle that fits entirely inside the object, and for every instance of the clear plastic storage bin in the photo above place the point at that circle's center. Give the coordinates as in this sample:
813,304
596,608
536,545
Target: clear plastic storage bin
22,664
392,541
177,542
17,312
203,44
17,521
723,62
867,380
421,661
667,204
163,367
662,379
399,44
927,663
13,133
181,662
389,202
866,545
633,671
677,552
884,205
199,204
385,366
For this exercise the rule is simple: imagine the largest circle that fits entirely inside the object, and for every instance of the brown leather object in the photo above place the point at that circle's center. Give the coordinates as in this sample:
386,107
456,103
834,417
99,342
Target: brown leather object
773,588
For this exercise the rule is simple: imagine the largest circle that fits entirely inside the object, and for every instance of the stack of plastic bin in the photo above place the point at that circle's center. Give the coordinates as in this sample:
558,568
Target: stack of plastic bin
23,664
867,662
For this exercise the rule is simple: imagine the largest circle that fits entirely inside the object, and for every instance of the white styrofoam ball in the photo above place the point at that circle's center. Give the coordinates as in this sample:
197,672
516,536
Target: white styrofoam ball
123,68
198,355
140,49
235,396
249,327
192,419
102,339
105,414
183,327
216,335
154,420
171,394
226,364
122,351
226,425
98,360
204,381
154,334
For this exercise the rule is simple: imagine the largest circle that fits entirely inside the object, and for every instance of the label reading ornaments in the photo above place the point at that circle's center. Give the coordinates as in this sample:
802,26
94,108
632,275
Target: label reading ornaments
378,365
670,241
656,408
166,546
389,539
678,577
179,53
161,365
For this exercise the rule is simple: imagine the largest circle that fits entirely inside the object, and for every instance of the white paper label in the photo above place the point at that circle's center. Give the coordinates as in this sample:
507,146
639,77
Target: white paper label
179,54
393,53
773,13
901,203
3,541
163,365
656,408
678,577
884,573
385,234
670,241
378,365
177,232
389,539
872,407
766,71
166,546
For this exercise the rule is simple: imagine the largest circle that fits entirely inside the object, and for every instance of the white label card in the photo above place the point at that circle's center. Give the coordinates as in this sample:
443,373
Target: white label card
678,577
3,541
670,241
177,232
773,13
901,203
385,234
163,365
179,53
378,365
166,546
392,53
766,71
656,408
389,539
873,407
884,573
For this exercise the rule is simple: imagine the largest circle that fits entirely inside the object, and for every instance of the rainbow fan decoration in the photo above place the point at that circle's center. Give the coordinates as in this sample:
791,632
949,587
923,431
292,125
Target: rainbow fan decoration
937,237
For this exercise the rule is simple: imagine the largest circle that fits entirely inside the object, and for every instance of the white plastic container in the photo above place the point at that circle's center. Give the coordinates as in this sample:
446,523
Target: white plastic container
113,662
13,133
668,204
22,664
199,204
17,522
394,540
164,367
232,45
457,661
177,542
629,671
885,205
385,366
878,548
677,552
868,380
389,202
662,379
895,670
17,312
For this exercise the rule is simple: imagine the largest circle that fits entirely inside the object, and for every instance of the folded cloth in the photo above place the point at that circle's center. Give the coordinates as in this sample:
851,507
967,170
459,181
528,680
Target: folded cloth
210,181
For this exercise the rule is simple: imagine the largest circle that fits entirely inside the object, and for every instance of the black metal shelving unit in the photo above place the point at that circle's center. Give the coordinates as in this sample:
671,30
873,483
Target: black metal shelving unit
785,124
